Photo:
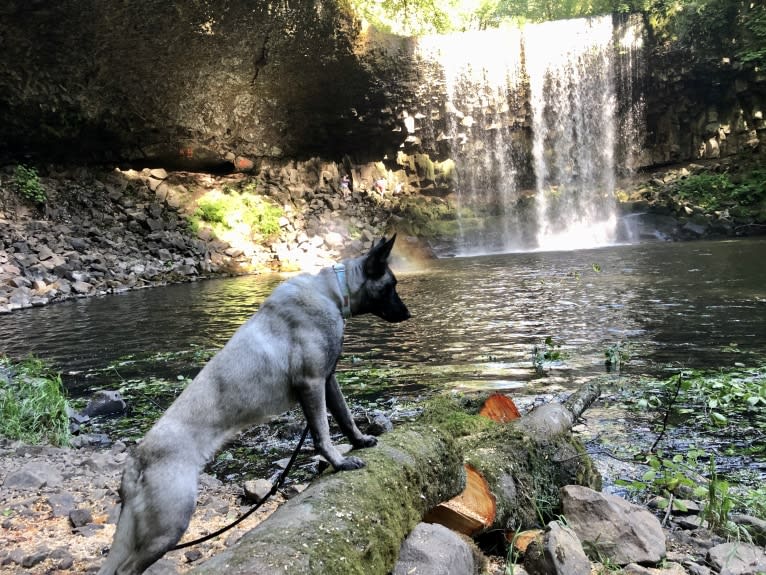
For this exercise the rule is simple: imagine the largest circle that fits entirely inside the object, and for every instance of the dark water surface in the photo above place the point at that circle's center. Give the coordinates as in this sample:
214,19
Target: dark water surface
475,320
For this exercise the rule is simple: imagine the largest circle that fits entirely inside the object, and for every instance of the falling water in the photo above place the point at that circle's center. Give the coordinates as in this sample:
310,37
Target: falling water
532,124
572,93
630,90
483,75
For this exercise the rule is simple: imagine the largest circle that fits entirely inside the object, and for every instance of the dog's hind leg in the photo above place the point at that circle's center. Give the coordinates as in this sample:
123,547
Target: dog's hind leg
158,499
337,405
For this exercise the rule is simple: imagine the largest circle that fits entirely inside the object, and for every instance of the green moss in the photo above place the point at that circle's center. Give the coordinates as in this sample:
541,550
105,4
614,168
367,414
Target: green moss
446,171
428,216
444,411
390,497
353,522
425,167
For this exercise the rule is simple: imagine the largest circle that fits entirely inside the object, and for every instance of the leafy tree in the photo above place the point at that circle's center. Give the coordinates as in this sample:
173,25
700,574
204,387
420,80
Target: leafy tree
718,28
753,46
406,16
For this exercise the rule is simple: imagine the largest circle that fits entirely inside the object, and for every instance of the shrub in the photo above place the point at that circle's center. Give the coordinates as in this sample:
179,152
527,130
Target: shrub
242,211
212,209
707,190
716,191
27,183
33,405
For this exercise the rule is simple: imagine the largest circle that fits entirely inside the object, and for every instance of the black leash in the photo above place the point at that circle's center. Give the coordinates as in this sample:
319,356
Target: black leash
250,511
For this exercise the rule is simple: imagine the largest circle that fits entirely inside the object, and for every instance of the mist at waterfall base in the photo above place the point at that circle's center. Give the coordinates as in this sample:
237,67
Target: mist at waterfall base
541,119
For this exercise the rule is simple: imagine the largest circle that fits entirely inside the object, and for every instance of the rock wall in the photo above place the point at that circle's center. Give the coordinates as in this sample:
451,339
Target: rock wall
192,84
705,108
219,85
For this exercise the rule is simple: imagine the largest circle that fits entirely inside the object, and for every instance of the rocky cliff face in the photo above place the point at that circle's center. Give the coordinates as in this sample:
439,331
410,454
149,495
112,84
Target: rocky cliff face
105,231
702,107
220,84
190,84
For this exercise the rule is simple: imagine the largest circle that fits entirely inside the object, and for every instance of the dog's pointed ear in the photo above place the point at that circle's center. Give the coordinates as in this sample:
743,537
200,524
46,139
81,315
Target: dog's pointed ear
377,259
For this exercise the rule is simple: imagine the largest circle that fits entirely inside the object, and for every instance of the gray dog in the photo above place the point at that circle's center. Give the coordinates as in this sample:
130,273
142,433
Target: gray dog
285,353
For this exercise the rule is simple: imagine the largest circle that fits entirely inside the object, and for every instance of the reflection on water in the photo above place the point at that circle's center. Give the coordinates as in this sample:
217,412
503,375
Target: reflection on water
475,320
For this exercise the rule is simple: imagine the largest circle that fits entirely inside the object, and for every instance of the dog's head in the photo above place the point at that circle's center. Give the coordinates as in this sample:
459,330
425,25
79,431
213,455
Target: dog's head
377,293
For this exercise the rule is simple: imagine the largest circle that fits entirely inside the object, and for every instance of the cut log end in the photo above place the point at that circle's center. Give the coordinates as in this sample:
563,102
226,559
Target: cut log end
499,407
470,512
521,540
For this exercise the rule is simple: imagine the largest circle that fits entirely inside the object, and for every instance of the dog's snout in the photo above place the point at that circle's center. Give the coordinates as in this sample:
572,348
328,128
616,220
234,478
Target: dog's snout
400,314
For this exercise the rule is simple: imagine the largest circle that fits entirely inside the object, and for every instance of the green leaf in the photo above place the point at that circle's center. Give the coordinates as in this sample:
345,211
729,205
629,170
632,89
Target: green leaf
718,418
700,492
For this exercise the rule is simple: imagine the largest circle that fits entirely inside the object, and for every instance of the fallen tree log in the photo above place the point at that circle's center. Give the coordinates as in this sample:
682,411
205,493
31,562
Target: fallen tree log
354,522
514,471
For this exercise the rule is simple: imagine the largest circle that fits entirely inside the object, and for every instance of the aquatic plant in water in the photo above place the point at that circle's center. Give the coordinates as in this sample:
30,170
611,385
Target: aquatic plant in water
721,407
546,353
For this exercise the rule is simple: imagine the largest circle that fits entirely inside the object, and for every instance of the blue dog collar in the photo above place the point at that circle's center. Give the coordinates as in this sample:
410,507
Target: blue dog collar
340,273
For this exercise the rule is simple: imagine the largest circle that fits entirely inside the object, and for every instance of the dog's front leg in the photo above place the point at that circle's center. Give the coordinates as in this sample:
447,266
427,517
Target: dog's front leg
340,411
311,395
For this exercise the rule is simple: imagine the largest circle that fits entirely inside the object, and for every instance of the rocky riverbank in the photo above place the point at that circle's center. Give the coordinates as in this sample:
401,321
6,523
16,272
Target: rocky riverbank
107,231
60,505
102,231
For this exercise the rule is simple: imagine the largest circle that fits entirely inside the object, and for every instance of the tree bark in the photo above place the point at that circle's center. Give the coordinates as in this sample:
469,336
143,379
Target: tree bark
354,522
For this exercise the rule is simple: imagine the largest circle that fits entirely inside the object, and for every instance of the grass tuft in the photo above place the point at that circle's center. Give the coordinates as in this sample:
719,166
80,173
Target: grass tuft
33,404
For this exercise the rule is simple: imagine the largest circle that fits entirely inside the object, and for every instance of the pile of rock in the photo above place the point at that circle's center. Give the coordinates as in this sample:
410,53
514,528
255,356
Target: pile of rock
597,533
62,505
109,231
94,236
652,208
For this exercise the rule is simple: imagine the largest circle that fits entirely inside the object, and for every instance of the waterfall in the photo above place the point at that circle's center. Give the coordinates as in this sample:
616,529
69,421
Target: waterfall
482,74
539,121
572,93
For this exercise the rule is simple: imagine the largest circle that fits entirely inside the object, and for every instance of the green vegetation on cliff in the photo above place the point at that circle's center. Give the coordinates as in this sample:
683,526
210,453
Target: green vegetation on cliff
730,28
744,193
27,183
242,211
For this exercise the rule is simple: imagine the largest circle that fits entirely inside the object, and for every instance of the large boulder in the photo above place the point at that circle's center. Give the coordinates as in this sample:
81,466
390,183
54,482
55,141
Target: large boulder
432,549
613,527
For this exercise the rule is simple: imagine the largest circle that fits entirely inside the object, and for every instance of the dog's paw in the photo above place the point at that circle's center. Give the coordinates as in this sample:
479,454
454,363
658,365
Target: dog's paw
349,463
366,441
